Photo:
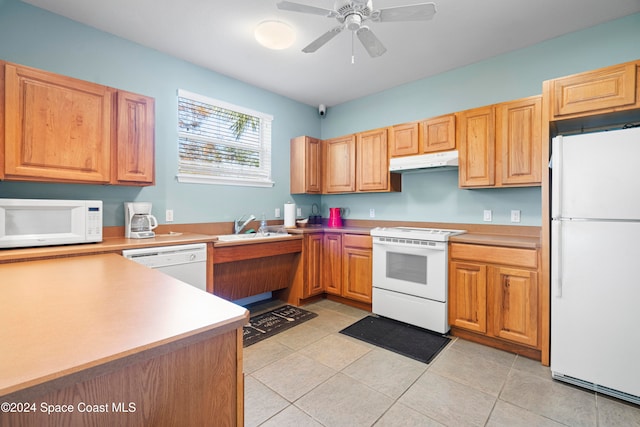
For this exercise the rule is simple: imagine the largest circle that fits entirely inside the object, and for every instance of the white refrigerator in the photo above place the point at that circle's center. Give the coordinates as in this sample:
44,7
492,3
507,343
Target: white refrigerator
595,261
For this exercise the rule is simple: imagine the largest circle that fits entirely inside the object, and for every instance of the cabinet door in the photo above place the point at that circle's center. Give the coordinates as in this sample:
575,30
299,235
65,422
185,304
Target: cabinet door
357,283
476,144
439,134
56,128
332,263
404,140
339,165
372,160
468,296
306,165
519,142
313,256
580,94
514,300
135,139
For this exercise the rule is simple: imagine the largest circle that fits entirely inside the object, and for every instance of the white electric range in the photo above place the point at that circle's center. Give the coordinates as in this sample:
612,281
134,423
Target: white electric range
410,275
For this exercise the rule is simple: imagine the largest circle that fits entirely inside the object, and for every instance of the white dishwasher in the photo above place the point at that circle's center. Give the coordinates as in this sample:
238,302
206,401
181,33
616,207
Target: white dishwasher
187,263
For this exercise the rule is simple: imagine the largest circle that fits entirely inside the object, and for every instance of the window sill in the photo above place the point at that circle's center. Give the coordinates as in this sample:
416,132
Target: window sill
214,180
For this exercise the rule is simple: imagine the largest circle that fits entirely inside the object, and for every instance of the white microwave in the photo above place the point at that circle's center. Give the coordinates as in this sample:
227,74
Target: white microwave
42,222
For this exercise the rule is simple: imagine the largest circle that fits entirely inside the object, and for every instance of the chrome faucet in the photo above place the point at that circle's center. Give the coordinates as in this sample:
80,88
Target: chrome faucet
238,224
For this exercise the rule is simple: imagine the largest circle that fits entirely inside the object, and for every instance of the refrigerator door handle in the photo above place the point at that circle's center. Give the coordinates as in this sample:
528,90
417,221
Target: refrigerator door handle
556,177
556,258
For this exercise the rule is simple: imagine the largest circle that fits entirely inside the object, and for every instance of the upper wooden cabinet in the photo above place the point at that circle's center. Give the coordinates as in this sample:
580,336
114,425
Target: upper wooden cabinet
61,129
372,159
599,91
339,165
476,130
500,145
56,128
306,165
438,134
404,139
358,163
427,136
519,142
135,139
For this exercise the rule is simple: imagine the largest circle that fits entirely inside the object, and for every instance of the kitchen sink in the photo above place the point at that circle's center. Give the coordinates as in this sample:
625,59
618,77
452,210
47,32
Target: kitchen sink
250,237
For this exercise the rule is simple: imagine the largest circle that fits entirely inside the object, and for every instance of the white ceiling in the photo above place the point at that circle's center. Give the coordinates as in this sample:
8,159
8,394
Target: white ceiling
218,35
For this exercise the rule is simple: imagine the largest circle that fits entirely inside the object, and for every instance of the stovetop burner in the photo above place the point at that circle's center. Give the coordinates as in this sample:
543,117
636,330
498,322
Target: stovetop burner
416,233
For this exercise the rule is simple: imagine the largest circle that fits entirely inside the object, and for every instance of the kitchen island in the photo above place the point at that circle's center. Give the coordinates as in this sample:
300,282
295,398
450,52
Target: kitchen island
101,340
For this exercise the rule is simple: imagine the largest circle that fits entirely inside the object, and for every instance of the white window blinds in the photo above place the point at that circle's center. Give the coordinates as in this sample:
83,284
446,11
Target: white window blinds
220,143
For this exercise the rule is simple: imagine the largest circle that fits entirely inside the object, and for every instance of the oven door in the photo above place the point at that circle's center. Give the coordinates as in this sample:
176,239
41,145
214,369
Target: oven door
417,268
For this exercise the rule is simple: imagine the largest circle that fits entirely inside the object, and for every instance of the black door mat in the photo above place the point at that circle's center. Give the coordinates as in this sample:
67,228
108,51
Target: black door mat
411,341
272,322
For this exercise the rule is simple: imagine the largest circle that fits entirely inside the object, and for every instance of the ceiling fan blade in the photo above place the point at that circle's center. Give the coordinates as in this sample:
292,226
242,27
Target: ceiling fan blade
303,8
322,40
414,12
370,42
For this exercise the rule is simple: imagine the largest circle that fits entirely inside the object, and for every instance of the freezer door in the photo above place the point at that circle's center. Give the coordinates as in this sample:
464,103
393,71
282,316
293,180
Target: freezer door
595,175
595,315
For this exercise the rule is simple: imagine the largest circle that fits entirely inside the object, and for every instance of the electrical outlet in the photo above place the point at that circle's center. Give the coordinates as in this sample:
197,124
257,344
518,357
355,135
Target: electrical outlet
515,215
277,213
487,215
169,215
299,211
372,213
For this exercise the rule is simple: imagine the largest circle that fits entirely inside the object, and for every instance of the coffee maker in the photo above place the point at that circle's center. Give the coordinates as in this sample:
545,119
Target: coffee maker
138,221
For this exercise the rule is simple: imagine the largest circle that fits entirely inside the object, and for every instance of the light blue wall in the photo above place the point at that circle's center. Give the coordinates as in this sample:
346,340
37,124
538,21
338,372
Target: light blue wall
34,37
436,196
37,38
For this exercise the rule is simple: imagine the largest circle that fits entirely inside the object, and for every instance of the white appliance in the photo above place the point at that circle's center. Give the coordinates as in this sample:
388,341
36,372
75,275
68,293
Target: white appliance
138,221
187,263
595,249
410,270
424,161
43,222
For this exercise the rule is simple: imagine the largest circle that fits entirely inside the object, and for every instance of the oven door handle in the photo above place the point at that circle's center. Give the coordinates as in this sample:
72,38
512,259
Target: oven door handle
410,247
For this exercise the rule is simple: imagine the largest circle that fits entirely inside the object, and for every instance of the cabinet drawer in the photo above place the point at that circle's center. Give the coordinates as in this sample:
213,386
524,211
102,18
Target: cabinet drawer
357,241
495,255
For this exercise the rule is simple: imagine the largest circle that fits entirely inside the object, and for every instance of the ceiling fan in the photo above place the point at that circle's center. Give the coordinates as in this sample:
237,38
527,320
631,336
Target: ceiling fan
353,14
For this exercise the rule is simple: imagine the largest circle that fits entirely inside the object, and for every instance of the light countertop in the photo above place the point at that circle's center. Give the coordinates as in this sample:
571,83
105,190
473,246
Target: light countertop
63,316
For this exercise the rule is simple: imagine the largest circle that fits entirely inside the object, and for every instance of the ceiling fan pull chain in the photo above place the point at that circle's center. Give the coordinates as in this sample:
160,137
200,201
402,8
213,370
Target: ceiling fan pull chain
353,55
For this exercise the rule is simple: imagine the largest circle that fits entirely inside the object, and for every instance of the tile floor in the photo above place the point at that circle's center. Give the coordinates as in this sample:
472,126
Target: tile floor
311,375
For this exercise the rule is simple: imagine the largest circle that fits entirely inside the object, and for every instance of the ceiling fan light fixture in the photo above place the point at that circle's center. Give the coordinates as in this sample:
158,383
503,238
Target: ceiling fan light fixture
274,35
353,22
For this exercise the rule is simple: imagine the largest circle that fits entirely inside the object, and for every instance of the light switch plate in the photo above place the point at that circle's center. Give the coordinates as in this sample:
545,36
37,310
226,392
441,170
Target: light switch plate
487,215
169,215
515,215
299,211
372,213
277,213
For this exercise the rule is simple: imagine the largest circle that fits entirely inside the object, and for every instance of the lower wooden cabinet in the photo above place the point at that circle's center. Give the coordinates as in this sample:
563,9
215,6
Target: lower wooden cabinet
356,267
346,266
331,263
312,261
494,296
468,296
334,263
513,295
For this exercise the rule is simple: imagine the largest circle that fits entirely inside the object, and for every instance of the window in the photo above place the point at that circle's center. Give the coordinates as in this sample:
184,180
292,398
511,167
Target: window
220,143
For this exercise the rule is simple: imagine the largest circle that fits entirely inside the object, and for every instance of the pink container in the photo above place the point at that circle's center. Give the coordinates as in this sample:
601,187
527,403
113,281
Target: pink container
335,218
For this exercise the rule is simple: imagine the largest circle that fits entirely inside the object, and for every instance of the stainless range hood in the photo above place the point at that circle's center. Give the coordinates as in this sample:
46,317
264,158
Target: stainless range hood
424,161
